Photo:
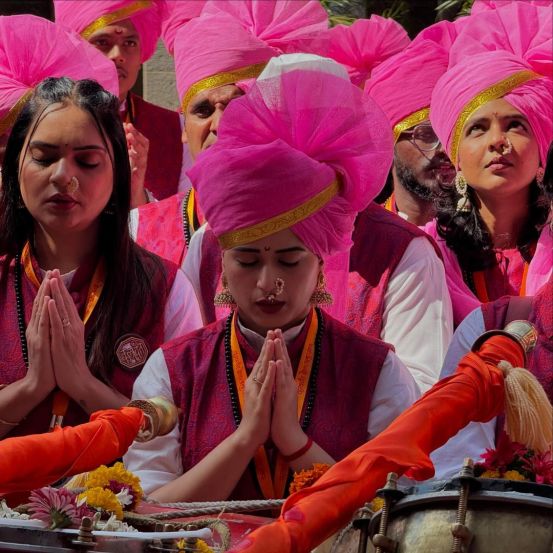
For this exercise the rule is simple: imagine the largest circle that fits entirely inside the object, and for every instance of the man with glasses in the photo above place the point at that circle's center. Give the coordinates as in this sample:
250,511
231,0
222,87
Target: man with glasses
402,86
397,288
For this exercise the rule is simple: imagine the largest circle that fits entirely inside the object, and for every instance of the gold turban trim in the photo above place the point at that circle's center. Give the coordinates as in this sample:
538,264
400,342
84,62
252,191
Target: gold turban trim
117,15
280,222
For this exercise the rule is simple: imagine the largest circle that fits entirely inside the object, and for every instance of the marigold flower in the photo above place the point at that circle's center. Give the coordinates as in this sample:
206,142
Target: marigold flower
490,474
118,479
513,475
306,478
101,499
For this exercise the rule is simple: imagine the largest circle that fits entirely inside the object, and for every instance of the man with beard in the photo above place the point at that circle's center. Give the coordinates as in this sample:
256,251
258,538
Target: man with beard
420,167
402,86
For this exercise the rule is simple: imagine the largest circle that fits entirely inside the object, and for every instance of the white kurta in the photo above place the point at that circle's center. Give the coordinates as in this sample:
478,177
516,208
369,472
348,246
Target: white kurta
159,461
417,318
476,437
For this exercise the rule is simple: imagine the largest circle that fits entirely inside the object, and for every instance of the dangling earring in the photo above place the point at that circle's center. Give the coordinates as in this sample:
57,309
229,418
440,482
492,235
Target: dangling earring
321,296
461,186
224,297
539,175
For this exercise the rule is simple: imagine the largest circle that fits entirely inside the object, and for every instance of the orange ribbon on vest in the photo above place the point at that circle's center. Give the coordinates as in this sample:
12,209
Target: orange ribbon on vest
273,487
61,400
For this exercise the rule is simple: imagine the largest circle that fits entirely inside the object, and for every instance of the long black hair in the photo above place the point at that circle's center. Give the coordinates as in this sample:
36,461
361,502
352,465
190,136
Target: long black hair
465,232
129,269
548,176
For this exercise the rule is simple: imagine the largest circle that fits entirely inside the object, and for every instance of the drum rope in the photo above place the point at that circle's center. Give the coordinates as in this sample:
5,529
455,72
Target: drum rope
214,507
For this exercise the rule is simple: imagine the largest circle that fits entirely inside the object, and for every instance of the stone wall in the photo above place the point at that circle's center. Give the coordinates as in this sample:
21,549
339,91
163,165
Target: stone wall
158,79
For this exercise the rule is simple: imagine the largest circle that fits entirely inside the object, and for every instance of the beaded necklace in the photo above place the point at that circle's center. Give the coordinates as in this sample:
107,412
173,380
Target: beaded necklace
309,400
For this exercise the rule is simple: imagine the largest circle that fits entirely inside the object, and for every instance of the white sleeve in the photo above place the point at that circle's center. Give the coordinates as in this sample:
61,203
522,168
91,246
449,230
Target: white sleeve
476,437
182,310
158,461
395,391
192,261
471,441
465,335
418,318
133,223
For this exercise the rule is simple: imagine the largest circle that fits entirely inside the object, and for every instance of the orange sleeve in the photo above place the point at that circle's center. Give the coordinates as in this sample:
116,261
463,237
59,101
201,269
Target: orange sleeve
37,460
474,393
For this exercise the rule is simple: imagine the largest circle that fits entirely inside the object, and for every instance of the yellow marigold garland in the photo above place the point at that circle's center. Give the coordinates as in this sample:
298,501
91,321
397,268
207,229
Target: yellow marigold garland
200,546
101,499
307,477
103,476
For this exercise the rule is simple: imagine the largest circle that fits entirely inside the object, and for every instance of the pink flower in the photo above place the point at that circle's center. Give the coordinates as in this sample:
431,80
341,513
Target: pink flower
57,507
540,465
505,453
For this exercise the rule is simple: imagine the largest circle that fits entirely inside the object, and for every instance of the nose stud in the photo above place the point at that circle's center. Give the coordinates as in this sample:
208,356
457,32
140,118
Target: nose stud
278,289
73,185
507,147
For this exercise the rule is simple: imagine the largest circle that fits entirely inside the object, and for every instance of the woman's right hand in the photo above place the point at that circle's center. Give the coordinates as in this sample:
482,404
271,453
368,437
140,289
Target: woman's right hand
40,374
255,426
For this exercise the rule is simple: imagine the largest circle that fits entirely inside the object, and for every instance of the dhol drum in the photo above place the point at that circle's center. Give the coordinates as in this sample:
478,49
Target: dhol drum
474,515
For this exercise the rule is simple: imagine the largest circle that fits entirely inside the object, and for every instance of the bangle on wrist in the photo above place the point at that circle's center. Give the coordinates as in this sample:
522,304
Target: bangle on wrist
297,454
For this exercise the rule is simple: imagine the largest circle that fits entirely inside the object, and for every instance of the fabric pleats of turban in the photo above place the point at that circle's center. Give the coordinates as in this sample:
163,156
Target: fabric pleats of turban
301,150
90,16
231,42
33,48
502,53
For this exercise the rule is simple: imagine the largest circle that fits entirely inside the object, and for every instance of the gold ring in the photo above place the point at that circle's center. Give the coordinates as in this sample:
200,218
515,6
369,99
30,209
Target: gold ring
65,322
257,381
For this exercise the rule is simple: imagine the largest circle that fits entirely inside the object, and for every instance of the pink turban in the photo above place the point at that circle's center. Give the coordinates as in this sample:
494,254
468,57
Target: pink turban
503,53
176,13
402,85
365,44
88,17
301,150
232,41
480,6
33,48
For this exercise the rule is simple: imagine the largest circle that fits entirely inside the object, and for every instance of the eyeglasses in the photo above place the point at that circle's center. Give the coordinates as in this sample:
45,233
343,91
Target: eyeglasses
423,137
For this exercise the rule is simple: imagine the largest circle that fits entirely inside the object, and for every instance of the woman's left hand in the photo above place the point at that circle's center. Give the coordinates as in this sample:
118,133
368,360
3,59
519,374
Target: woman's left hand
67,343
286,431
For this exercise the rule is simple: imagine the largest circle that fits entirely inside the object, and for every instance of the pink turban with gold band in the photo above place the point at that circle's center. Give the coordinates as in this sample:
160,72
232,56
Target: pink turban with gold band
503,53
233,41
177,13
90,16
301,150
364,45
402,85
33,48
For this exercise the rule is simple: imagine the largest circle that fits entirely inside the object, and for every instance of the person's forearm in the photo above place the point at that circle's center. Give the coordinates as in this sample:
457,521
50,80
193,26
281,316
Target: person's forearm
17,400
93,395
215,476
315,454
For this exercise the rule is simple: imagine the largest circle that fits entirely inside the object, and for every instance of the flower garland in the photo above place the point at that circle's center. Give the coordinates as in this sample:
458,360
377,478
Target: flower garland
112,490
307,477
514,461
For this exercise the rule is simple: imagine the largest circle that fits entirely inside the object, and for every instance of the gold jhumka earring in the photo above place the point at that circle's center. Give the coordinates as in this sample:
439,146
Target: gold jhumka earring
224,297
321,296
461,186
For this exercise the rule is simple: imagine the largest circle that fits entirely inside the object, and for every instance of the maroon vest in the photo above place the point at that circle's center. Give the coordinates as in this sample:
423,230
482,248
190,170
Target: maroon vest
380,239
162,128
349,369
12,367
160,228
540,360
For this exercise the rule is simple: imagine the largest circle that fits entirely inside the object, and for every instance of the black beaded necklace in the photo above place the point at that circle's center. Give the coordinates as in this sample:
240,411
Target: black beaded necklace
21,316
312,386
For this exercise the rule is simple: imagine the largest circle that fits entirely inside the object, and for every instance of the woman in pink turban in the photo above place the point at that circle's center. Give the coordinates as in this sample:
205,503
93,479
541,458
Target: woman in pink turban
33,48
126,31
493,112
278,385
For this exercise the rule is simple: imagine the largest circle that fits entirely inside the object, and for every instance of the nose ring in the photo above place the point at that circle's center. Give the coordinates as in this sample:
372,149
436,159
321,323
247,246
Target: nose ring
278,289
73,185
507,148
